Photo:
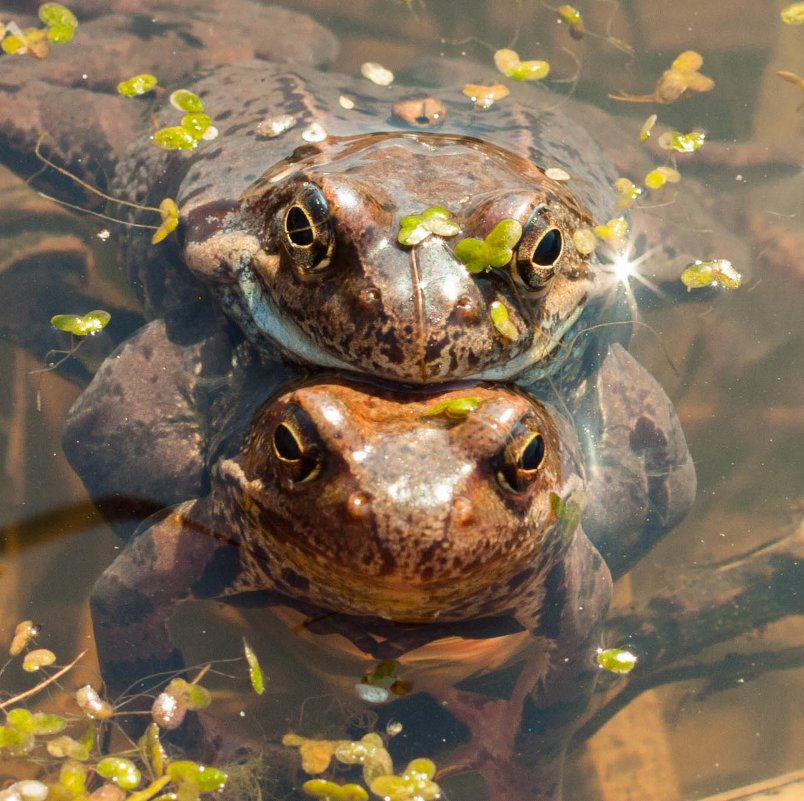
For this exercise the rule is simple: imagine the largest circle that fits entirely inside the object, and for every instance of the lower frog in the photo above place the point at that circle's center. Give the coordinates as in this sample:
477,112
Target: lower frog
415,517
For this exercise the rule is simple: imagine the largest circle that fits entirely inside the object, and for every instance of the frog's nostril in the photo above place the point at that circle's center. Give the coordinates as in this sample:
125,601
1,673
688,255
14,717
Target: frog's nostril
358,505
463,511
466,309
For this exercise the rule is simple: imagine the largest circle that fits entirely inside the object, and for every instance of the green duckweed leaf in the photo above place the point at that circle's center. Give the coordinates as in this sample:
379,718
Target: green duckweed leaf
73,778
59,34
615,660
186,101
21,719
66,746
329,791
681,142
793,14
47,723
495,251
414,229
41,657
718,272
254,670
138,85
206,779
499,316
196,124
170,219
82,326
508,63
452,409
121,771
57,14
174,138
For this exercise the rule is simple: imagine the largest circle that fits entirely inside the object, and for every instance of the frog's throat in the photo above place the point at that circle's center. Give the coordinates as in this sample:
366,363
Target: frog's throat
272,323
405,599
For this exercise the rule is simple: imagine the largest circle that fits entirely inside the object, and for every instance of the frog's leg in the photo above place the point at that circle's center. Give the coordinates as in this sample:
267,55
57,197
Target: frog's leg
182,555
518,743
640,475
137,436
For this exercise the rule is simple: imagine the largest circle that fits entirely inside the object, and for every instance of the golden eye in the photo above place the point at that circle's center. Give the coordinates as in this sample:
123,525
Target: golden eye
296,446
309,237
520,461
537,253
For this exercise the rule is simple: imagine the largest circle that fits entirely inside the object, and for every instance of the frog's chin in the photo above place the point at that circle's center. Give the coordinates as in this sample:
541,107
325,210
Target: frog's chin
490,589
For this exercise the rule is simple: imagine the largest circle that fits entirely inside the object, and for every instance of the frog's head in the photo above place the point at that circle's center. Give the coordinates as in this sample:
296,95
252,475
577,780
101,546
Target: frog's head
407,506
313,264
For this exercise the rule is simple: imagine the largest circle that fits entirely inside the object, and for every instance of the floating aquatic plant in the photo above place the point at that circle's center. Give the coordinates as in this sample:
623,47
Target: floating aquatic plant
495,251
414,229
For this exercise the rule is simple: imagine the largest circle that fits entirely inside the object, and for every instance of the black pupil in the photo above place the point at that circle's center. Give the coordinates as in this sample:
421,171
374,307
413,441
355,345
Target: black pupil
533,454
548,249
287,446
299,227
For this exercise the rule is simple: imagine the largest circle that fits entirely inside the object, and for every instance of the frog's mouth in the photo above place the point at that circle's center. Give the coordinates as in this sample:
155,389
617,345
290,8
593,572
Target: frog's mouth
495,585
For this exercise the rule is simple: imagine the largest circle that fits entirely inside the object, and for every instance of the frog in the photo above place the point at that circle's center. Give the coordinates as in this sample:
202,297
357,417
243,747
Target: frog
395,530
353,297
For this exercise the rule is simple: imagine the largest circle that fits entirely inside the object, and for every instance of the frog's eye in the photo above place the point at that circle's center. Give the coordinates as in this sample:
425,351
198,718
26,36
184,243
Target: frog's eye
537,253
297,447
308,234
518,464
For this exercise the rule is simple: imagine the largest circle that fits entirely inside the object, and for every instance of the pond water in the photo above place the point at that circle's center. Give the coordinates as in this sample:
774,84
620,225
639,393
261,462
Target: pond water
731,364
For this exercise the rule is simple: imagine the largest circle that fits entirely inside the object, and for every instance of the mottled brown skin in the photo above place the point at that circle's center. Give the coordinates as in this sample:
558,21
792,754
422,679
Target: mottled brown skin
392,519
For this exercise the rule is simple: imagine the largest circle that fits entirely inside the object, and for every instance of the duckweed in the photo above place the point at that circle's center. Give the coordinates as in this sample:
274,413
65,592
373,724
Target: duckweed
274,126
30,41
627,193
682,143
376,73
662,175
485,96
56,14
415,229
137,85
647,127
499,316
92,704
34,660
509,64
184,100
495,251
122,772
567,514
254,670
613,230
66,746
681,80
169,212
314,132
452,409
329,791
195,124
24,632
615,660
584,240
574,19
718,272
415,783
82,326
793,14
206,779
174,138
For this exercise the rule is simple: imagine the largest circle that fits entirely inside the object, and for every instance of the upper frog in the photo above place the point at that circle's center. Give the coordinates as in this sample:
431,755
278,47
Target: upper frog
299,240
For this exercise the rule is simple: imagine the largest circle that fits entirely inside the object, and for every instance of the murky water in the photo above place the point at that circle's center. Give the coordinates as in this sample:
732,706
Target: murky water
735,380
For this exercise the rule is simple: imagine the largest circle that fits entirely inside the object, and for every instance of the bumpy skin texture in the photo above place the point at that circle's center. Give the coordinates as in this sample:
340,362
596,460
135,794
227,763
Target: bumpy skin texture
392,518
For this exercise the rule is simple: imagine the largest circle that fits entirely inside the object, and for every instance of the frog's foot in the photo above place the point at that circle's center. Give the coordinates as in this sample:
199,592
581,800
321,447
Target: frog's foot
494,724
